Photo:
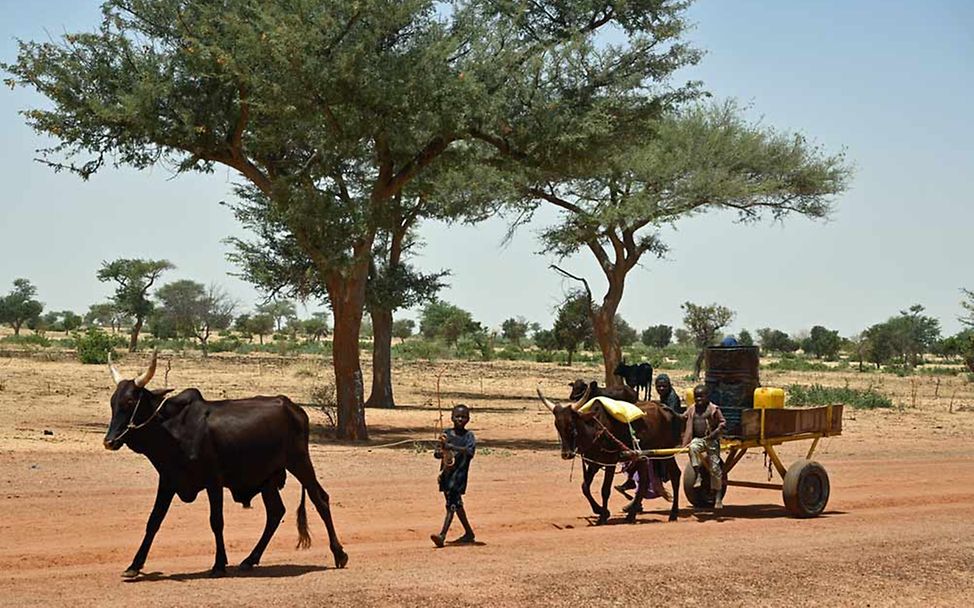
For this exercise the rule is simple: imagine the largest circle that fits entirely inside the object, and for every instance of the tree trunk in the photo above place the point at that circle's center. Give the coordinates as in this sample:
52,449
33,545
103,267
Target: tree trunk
16,326
347,295
134,337
381,395
969,361
603,322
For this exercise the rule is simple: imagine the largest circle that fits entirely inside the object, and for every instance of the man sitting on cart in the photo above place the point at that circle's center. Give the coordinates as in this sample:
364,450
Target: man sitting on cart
704,427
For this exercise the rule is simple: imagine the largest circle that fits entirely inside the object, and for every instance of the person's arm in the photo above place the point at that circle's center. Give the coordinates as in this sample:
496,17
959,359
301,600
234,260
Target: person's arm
721,424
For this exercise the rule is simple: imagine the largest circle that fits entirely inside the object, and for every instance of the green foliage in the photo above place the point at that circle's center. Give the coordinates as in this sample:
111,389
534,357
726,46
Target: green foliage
403,328
194,310
27,340
281,311
791,363
420,348
904,337
625,333
514,330
744,338
94,345
573,324
705,322
133,279
817,394
316,328
107,314
822,342
968,305
658,336
777,341
19,306
445,321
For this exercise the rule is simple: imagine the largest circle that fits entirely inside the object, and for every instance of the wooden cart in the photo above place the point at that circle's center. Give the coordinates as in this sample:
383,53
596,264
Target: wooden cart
805,484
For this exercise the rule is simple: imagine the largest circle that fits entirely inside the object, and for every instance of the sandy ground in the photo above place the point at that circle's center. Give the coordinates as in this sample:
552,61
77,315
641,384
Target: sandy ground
898,531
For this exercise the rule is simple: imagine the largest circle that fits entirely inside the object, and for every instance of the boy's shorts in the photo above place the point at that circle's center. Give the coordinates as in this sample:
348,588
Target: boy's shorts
454,500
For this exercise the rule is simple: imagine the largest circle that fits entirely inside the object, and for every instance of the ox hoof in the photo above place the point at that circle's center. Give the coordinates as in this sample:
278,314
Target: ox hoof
218,572
246,565
341,559
131,573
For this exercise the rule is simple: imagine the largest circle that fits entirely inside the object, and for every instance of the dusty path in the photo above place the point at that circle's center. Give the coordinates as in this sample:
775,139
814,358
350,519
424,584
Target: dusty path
899,529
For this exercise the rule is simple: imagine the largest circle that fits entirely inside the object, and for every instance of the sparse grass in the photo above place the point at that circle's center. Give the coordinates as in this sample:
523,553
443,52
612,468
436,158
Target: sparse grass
323,396
816,394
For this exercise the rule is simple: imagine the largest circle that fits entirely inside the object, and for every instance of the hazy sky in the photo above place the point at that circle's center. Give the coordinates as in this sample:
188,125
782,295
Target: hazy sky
888,82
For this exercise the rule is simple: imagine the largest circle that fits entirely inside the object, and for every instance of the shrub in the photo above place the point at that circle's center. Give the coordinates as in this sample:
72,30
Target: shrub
94,345
225,345
420,349
28,340
817,394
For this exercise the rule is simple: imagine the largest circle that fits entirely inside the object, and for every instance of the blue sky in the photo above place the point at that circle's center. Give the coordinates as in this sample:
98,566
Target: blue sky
890,83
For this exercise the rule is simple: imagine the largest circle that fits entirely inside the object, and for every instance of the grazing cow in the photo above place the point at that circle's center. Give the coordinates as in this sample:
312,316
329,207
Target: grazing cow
245,445
637,376
601,440
619,393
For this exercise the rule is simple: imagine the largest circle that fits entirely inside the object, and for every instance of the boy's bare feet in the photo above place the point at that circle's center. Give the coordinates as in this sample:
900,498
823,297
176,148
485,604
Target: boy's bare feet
437,540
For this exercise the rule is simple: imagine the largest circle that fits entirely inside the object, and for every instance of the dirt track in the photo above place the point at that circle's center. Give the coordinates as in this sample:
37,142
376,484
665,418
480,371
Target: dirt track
899,528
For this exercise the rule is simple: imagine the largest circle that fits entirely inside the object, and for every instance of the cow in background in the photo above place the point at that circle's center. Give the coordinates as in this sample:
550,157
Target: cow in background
637,376
619,393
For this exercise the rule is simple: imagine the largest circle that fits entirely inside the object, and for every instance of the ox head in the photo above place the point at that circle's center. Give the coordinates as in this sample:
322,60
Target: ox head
567,420
131,403
579,387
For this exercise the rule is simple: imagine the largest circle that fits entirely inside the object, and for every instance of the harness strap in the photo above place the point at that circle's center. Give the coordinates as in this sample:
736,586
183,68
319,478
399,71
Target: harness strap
135,411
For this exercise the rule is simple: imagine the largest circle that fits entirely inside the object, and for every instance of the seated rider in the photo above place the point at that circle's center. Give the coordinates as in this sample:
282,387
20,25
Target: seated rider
705,424
668,396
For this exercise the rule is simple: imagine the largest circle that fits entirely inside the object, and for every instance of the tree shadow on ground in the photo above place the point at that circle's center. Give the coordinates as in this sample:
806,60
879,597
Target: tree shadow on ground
479,396
277,571
762,511
413,437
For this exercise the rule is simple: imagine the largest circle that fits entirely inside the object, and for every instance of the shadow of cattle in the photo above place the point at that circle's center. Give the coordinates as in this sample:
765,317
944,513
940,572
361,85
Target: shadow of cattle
278,571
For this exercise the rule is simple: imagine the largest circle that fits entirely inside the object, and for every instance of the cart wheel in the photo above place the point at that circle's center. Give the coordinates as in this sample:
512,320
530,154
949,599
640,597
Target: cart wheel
701,497
806,488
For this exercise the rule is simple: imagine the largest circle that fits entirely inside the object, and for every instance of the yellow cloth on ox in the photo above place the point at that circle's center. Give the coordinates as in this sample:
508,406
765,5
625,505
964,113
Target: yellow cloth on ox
623,411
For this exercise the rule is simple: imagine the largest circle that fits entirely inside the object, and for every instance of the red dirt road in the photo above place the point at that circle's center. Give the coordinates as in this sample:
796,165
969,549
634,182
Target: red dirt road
898,531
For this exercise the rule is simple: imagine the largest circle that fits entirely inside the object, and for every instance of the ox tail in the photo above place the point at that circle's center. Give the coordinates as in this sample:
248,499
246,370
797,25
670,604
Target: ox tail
304,539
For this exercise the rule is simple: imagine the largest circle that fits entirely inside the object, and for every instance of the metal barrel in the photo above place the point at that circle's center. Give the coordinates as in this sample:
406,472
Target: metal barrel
732,375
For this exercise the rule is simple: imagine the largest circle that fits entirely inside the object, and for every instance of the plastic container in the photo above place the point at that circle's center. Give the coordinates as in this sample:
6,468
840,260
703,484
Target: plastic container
769,397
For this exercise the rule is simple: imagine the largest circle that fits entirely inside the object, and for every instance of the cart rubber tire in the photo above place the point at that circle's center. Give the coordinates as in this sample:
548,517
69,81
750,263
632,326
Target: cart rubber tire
806,488
701,497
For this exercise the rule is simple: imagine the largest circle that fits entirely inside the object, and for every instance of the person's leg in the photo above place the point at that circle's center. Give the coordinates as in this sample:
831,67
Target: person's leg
716,474
439,539
468,535
696,451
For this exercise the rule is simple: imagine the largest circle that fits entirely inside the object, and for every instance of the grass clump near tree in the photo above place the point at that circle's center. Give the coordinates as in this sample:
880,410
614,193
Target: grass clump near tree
816,394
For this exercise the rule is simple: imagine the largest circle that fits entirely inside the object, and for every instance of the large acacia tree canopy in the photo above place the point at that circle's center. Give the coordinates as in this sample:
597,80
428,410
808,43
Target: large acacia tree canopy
691,161
339,102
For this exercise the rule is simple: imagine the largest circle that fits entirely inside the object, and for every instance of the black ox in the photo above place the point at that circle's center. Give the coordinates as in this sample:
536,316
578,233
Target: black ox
619,393
245,445
637,376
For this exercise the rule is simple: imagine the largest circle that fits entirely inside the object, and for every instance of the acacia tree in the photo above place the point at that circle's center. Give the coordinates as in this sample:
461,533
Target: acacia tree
327,109
704,324
133,279
19,306
195,310
700,159
967,348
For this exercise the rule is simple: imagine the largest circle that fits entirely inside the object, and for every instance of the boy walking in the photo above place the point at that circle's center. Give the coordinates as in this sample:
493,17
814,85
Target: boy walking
453,478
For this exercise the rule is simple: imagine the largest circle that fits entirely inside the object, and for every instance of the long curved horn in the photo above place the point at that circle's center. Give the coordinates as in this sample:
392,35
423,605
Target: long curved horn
548,404
584,399
116,376
142,380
